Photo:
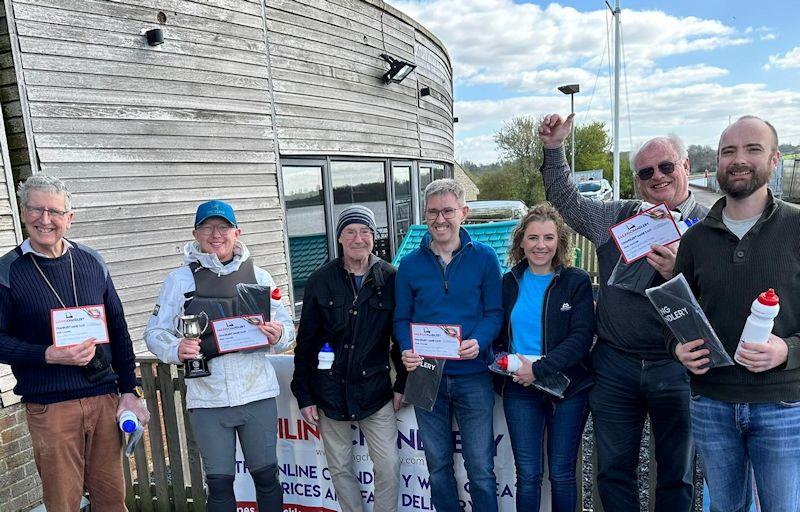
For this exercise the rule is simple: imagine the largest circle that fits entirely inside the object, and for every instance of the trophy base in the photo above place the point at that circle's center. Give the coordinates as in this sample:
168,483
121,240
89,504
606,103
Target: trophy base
194,368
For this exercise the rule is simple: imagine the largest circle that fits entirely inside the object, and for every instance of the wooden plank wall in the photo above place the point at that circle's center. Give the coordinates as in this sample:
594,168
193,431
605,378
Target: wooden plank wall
11,105
329,96
143,134
10,233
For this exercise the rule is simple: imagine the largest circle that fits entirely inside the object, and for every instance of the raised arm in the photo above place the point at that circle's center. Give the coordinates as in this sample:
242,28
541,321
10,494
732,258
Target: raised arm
588,217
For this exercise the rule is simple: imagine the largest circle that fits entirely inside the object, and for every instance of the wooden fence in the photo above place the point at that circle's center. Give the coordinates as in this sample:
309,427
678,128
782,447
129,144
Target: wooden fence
588,257
164,473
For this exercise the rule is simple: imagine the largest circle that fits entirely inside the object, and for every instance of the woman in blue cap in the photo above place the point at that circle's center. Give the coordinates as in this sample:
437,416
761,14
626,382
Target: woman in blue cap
238,397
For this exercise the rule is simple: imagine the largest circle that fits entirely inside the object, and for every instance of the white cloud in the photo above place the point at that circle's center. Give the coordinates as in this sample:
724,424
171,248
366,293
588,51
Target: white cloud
790,59
680,75
696,112
476,149
764,33
520,53
523,45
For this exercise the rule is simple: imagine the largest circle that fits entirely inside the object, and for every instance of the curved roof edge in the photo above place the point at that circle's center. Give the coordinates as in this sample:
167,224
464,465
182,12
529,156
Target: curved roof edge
397,13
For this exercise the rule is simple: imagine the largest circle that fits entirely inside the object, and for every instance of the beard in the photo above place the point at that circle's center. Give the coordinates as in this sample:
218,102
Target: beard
743,188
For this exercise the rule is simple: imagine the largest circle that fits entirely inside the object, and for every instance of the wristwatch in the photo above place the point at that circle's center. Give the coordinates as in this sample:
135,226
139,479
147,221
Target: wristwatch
138,391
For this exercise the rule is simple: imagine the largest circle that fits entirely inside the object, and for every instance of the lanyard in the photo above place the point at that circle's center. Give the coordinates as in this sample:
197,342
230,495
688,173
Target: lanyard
74,288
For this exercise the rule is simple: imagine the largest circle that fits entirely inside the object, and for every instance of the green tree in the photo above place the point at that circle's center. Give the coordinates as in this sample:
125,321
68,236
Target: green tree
702,158
592,144
521,153
521,150
502,184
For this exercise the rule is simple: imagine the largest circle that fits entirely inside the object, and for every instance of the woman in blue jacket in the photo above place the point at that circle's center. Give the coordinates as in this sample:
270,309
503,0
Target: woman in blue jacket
549,317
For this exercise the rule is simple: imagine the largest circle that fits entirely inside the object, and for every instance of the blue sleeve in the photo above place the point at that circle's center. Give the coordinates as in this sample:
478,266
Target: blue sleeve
578,341
403,307
487,329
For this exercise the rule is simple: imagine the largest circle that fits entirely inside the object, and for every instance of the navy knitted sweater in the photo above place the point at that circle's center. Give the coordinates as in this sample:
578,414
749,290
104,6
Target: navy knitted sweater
25,334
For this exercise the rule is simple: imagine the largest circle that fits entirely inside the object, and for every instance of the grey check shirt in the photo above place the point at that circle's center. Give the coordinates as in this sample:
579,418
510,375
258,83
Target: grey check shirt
589,217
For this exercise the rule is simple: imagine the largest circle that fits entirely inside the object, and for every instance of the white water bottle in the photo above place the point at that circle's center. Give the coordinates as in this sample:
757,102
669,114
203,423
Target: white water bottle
759,324
128,422
509,363
325,358
512,362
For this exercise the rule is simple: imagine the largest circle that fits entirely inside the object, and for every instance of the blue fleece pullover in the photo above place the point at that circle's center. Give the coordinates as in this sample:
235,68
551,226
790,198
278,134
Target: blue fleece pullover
468,292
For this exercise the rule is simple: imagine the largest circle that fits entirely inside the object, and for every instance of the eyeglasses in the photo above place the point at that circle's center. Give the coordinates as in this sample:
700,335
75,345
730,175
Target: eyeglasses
647,173
447,213
223,229
349,234
35,212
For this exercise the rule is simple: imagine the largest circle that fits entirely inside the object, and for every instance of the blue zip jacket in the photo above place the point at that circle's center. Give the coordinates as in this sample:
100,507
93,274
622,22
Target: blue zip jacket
468,292
568,326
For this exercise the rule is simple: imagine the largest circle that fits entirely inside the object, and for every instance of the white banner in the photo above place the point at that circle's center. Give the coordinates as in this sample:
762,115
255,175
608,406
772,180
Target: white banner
304,475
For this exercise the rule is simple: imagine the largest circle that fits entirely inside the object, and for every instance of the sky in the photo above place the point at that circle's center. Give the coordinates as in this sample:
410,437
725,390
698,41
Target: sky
689,66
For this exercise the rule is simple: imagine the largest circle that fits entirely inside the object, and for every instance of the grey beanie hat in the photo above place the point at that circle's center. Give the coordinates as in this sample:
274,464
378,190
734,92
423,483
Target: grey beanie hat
356,214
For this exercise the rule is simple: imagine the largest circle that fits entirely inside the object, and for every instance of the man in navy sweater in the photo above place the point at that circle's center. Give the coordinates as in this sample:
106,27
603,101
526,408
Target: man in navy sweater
72,394
453,280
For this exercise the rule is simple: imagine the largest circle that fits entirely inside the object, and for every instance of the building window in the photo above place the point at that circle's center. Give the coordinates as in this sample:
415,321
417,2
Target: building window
363,183
401,176
317,189
305,224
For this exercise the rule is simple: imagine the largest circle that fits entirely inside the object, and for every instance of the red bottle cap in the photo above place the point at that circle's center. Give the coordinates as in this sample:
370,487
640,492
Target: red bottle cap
276,294
768,298
502,363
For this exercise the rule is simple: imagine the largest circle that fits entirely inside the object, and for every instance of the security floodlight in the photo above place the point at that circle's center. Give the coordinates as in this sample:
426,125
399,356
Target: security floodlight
398,69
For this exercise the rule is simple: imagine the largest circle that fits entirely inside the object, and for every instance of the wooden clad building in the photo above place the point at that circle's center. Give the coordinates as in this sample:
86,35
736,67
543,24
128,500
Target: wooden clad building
276,106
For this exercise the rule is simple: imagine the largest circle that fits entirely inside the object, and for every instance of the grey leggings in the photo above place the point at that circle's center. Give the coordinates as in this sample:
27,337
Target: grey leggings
215,431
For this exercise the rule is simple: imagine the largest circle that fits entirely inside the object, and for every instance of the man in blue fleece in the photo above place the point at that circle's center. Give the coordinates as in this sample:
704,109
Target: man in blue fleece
451,279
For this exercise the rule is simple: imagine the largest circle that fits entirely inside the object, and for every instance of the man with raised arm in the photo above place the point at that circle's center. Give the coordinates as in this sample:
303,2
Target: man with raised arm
635,377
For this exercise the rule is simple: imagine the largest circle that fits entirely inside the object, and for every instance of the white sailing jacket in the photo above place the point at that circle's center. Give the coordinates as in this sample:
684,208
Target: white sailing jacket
237,378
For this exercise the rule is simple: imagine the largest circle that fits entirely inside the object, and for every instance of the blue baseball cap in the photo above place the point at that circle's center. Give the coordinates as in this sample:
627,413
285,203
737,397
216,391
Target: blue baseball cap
214,208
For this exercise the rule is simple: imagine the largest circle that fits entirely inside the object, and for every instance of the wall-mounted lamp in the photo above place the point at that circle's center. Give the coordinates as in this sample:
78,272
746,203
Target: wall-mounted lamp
455,119
398,69
425,91
155,36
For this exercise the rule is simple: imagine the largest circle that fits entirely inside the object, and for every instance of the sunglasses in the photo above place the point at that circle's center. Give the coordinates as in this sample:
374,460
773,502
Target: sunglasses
647,173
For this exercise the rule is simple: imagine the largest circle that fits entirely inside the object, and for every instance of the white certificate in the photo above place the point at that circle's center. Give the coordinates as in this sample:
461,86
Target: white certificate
239,333
73,326
635,235
438,341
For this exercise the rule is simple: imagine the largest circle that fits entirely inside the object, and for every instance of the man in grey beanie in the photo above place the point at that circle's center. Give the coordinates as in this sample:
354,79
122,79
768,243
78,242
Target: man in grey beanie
349,304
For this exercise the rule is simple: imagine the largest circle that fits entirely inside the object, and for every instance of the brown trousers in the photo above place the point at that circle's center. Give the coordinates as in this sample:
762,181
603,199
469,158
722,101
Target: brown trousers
77,442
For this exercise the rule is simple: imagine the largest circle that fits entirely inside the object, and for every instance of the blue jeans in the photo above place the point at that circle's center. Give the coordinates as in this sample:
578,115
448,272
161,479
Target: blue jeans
528,413
733,438
470,398
627,390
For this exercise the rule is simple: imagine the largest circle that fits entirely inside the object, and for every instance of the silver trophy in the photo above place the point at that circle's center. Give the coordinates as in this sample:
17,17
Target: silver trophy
191,324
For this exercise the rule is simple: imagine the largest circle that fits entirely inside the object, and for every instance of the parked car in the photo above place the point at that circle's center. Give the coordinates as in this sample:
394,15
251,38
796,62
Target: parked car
493,211
596,189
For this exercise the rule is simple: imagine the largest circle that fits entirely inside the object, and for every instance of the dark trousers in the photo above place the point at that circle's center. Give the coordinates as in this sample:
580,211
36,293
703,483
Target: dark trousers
626,391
